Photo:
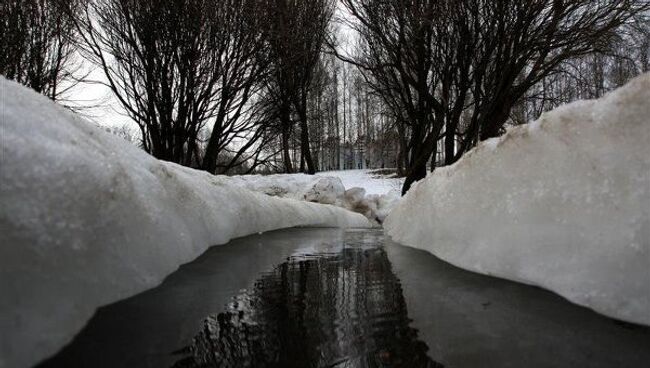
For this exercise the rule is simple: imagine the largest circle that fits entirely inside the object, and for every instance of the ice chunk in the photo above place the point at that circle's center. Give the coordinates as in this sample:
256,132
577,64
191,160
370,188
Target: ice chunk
327,190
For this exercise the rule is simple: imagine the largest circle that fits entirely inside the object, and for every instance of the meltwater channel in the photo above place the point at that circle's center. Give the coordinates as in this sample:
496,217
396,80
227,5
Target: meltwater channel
345,298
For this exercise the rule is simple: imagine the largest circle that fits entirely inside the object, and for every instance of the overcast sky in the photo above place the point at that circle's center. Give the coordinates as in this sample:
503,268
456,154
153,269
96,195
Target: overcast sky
100,106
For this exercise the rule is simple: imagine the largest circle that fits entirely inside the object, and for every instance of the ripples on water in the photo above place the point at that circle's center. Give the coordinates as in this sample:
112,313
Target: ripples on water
338,303
339,309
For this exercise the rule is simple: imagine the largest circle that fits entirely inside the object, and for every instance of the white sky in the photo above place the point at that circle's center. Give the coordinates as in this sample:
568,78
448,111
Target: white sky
100,106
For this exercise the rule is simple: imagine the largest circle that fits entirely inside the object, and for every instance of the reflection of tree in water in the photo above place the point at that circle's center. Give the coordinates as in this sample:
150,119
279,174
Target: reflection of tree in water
337,310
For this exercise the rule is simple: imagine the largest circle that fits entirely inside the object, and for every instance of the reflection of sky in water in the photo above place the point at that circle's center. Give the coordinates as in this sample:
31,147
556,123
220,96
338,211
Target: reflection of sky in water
337,300
342,309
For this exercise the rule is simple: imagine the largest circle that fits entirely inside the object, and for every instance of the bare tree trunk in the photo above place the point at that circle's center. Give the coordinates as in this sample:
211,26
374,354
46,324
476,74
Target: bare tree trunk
450,143
286,138
304,137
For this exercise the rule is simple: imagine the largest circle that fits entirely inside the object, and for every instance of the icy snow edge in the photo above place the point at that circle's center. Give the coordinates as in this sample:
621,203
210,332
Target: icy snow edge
87,219
562,203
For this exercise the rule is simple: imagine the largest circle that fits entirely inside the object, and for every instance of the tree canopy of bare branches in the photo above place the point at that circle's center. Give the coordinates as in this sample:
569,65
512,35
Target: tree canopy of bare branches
226,86
455,69
37,44
177,68
295,34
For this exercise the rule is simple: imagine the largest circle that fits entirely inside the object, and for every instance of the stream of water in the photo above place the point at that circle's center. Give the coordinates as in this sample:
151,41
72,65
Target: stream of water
335,298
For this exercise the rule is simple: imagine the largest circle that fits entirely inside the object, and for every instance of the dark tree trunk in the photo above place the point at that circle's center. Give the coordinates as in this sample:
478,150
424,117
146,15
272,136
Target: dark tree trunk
494,122
304,143
423,146
286,156
211,153
416,173
450,144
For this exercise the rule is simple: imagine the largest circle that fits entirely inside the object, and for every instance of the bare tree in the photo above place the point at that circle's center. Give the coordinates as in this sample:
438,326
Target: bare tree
454,70
177,66
241,65
295,34
37,44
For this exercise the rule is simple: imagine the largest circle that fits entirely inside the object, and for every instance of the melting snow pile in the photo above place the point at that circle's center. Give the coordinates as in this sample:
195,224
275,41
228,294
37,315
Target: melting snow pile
87,219
563,203
326,188
279,185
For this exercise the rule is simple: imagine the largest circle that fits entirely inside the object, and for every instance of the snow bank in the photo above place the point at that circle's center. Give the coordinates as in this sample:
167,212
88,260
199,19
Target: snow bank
328,188
563,203
87,219
278,185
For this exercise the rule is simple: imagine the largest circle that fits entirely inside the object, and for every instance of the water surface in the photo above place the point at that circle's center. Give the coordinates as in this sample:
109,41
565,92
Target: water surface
334,298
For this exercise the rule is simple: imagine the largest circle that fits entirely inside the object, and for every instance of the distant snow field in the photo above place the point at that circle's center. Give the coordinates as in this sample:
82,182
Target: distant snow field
372,180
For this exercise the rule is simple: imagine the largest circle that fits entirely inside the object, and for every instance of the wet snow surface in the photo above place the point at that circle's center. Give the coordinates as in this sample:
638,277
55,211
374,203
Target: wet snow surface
87,219
337,298
562,203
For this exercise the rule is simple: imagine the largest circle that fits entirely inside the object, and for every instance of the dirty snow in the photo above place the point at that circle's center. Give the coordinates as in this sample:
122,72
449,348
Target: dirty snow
364,191
87,219
563,203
